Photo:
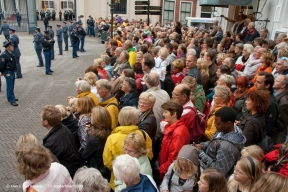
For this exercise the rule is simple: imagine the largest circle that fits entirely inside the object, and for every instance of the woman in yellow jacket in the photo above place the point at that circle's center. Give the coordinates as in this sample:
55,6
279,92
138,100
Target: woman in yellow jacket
114,145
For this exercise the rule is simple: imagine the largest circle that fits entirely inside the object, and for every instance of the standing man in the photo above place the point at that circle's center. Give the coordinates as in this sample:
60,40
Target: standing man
82,34
65,35
47,43
74,39
37,15
18,18
46,22
7,68
59,38
51,35
5,29
60,15
16,52
53,15
70,28
38,46
42,14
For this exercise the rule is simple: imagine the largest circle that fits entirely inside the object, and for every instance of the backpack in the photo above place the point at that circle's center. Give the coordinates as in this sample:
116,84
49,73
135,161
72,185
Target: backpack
199,127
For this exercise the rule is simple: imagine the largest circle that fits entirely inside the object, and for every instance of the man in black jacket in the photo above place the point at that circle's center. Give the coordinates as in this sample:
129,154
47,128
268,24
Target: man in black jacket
59,139
47,44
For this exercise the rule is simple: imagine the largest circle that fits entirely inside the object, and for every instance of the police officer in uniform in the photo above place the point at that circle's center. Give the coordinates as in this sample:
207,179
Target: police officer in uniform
47,43
14,39
82,34
59,38
74,38
65,35
5,29
7,68
51,35
37,15
53,15
60,15
70,28
38,46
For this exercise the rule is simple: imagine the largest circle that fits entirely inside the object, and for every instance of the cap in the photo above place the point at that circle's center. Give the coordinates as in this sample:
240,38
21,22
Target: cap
58,25
50,26
74,27
12,29
189,153
74,19
71,21
6,43
65,22
37,28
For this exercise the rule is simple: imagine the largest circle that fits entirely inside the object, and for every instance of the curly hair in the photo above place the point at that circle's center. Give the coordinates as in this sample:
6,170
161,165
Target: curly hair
268,58
260,99
32,160
179,64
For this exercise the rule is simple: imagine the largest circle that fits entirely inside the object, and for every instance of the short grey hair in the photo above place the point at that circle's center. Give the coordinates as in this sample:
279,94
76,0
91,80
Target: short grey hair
104,84
130,112
126,168
125,54
249,48
119,49
83,85
153,79
88,180
228,79
240,45
252,24
131,83
190,51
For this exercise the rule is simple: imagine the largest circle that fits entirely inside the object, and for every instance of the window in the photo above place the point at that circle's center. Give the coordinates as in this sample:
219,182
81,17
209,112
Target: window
206,11
120,7
185,11
67,4
168,14
47,5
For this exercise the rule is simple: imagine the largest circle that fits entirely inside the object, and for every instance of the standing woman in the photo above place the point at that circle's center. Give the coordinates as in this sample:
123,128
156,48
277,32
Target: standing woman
240,97
98,132
84,107
202,65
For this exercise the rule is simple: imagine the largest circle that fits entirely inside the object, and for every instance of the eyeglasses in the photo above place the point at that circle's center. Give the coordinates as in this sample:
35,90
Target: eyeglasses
143,103
129,151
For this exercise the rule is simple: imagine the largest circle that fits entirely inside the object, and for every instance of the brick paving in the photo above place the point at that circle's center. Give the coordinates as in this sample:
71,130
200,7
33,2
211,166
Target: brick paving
34,91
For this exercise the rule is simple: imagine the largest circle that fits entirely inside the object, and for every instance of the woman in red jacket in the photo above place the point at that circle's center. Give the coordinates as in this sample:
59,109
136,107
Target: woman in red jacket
176,135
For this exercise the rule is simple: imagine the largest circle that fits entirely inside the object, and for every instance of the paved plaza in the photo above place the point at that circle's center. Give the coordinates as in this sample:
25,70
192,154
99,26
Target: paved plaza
34,91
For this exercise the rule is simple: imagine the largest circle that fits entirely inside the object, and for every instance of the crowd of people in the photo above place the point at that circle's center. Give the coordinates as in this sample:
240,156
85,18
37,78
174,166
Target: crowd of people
169,108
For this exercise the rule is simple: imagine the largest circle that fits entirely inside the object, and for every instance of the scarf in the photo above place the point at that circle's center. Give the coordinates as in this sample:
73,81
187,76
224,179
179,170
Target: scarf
143,116
239,95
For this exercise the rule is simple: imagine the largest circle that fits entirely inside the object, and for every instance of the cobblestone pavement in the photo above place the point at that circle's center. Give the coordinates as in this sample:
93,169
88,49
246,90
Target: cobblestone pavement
34,91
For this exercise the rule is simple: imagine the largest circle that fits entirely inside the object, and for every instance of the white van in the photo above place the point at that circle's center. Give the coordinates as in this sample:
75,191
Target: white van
204,23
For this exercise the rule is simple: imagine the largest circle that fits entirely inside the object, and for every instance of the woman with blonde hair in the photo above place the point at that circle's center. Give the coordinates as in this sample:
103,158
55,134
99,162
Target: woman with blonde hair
212,180
246,173
98,131
271,182
182,174
101,71
253,151
203,66
135,146
91,78
220,58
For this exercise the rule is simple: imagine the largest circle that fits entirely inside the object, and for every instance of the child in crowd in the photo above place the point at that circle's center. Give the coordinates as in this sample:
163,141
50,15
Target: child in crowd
177,70
212,180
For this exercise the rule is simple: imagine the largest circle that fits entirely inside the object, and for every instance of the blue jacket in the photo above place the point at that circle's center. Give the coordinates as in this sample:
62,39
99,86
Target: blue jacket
65,31
5,29
130,99
59,34
37,41
51,34
15,41
144,185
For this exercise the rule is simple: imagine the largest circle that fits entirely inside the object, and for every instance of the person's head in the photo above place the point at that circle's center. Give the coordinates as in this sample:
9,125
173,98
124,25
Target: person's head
263,32
148,62
135,145
127,169
264,81
271,181
220,58
104,88
258,41
226,80
247,171
258,52
124,56
27,138
135,40
182,49
191,82
247,50
128,44
281,65
251,26
85,105
163,53
91,78
92,68
191,61
280,37
212,180
209,43
82,86
128,85
242,83
50,116
181,93
209,56
257,101
89,179
203,65
32,160
118,51
222,95
169,47
172,111
224,119
230,62
238,48
139,57
144,48
152,80
130,112
281,83
63,111
253,151
178,65
101,123
223,69
267,59
146,101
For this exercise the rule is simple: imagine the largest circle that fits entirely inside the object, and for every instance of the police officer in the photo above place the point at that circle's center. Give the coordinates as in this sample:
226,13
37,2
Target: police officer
7,68
53,15
82,34
37,15
46,22
16,52
74,38
93,26
5,29
38,46
51,35
65,35
59,38
71,26
18,18
47,43
60,15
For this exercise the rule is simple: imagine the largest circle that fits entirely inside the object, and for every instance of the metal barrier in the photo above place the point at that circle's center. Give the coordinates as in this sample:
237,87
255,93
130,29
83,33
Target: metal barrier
21,26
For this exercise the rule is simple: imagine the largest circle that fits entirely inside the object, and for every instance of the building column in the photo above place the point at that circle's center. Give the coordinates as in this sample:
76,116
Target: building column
31,15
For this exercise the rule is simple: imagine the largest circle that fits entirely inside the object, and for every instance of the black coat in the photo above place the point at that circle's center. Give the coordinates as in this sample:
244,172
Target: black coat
61,143
72,124
147,122
130,99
